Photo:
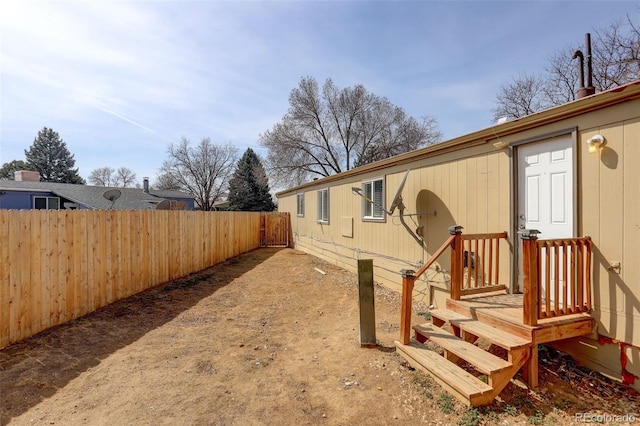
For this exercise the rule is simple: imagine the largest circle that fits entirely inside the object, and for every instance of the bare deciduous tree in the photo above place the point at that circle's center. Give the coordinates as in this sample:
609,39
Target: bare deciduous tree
523,96
123,177
203,170
166,182
102,176
330,130
616,55
562,77
615,61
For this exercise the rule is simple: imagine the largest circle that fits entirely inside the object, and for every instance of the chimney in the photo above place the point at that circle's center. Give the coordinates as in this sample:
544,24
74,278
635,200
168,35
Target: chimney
590,89
145,185
26,176
582,90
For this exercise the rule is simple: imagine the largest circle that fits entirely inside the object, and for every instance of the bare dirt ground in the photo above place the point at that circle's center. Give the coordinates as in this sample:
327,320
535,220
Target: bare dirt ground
262,339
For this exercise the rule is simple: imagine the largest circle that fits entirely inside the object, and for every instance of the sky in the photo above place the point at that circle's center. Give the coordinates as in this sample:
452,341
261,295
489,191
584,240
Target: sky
122,80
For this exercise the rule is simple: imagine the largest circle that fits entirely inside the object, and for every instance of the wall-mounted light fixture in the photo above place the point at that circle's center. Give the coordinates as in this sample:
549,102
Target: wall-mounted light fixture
595,143
500,145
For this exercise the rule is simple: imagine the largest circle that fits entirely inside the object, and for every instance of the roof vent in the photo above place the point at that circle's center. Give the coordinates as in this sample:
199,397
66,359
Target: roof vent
589,89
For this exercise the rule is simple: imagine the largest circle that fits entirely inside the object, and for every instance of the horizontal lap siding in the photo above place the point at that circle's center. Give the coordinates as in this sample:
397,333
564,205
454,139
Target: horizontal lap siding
472,192
58,265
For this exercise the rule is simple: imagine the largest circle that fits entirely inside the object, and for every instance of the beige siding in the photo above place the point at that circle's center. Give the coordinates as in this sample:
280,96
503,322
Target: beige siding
480,180
473,187
611,216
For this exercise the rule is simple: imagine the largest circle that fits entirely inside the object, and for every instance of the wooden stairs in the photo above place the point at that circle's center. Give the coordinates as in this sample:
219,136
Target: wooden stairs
459,344
479,308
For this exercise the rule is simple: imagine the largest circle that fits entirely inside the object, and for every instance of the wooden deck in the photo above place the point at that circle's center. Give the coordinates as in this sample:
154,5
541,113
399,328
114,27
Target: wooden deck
504,311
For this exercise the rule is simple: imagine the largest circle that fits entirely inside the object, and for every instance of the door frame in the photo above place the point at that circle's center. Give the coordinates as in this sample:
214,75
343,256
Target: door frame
515,193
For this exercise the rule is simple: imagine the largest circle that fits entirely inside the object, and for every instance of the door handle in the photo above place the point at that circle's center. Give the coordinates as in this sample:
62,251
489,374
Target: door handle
522,217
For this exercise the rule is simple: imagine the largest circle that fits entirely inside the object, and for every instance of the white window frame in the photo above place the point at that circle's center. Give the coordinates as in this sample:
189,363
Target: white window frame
47,199
371,212
300,204
323,206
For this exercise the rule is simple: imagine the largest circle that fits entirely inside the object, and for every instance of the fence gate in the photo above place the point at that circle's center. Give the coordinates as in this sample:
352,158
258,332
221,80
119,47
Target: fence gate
274,229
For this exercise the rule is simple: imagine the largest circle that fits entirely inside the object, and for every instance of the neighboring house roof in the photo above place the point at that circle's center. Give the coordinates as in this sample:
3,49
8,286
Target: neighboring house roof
92,196
170,194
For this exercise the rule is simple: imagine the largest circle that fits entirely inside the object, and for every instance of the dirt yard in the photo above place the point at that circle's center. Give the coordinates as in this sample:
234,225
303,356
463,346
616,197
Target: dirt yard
263,339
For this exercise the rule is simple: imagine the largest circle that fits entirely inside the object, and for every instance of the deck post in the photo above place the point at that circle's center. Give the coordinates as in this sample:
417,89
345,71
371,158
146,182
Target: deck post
530,278
456,262
408,279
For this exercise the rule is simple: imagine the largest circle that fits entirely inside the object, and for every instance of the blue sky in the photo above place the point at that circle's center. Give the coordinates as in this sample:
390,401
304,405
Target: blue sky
121,80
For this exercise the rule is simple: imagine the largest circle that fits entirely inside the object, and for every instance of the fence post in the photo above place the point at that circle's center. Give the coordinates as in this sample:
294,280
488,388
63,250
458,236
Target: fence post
408,279
457,267
530,278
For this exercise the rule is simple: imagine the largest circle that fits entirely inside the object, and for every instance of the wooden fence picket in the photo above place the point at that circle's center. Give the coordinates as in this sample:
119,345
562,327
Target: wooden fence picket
58,265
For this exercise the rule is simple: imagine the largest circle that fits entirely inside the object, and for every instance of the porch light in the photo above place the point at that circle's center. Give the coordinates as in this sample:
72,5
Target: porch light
595,143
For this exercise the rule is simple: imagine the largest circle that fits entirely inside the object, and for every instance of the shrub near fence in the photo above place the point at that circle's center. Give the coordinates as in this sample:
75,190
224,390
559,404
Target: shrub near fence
57,265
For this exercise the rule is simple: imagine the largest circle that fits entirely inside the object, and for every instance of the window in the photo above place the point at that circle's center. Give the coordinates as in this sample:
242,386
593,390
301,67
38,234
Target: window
323,206
46,203
373,204
300,203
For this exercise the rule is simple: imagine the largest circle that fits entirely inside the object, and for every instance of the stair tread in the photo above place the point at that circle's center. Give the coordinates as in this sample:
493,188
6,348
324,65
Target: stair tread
479,358
495,335
457,378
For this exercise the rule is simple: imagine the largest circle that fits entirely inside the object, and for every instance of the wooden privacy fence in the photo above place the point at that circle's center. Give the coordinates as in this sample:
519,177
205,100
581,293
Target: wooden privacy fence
274,230
556,277
57,265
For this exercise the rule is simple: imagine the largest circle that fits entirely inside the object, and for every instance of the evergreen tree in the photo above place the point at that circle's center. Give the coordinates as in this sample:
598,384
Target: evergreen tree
249,186
49,156
8,170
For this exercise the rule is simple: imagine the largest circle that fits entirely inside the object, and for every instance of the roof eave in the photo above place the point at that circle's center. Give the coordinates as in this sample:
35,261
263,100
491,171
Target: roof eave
600,100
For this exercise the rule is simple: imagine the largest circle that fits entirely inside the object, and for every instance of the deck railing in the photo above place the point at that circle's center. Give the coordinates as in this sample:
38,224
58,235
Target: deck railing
480,263
556,277
475,265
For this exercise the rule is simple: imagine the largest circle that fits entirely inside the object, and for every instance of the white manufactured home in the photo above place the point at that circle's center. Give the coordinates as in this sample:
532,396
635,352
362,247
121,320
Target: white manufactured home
523,233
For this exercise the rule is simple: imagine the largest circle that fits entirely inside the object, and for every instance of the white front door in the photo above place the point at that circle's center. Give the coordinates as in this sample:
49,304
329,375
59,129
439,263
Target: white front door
545,189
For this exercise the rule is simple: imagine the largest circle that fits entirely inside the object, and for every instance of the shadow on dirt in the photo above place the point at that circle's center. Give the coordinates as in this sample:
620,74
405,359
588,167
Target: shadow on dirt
385,349
60,354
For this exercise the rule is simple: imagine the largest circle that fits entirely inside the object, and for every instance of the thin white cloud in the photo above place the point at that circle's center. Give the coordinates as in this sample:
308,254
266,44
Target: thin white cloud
118,79
128,120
